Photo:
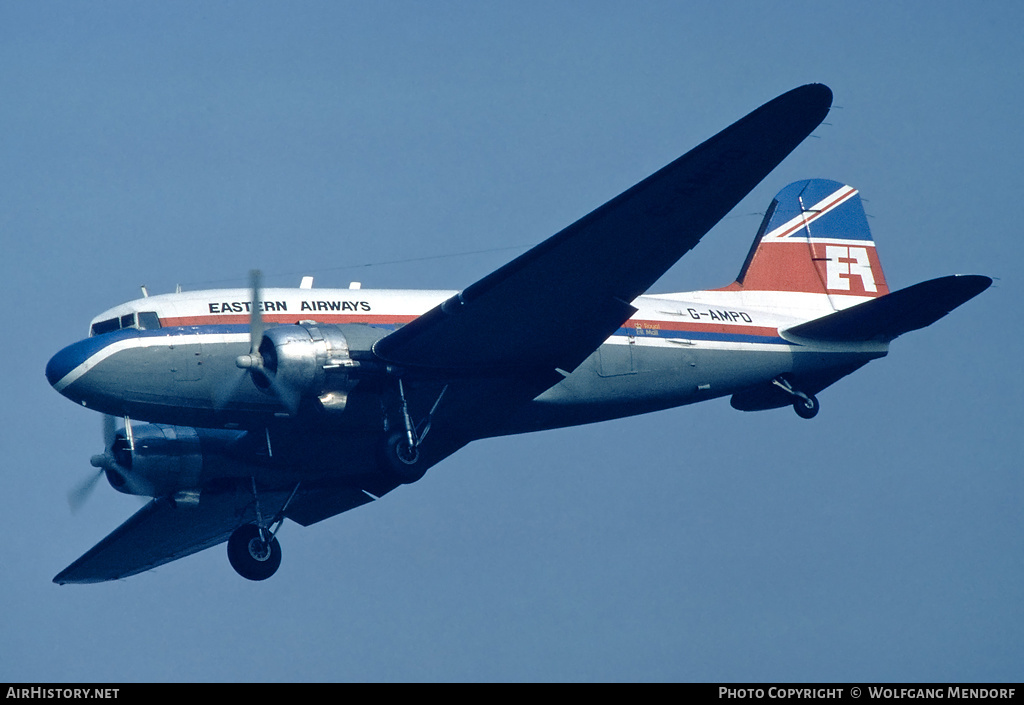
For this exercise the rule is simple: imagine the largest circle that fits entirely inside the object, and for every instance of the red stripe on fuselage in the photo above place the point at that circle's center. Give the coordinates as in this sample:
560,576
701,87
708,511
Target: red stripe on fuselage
651,328
208,320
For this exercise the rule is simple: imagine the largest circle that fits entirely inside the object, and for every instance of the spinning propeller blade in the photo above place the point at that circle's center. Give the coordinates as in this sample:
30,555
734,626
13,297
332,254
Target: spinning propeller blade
253,362
255,310
79,494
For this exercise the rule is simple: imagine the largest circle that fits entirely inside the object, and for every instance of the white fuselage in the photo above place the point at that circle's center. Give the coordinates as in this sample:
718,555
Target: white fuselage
676,349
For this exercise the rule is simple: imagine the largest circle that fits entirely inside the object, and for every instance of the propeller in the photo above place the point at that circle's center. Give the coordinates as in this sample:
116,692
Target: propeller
255,362
79,494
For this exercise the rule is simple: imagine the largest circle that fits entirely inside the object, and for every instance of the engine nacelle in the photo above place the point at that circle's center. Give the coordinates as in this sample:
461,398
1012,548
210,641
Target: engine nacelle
156,460
310,359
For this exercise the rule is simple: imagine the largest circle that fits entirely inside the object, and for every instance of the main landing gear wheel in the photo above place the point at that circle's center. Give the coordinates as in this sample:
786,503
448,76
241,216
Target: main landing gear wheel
251,555
806,407
404,459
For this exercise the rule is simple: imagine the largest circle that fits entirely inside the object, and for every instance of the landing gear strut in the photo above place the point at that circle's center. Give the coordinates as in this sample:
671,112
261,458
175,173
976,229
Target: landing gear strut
805,405
402,450
253,549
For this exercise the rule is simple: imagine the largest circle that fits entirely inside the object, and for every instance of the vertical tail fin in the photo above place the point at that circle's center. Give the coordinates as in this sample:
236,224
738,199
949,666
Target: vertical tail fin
815,239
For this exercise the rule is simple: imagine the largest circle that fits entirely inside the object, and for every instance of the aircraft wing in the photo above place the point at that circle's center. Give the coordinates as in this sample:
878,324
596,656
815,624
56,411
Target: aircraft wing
553,306
162,532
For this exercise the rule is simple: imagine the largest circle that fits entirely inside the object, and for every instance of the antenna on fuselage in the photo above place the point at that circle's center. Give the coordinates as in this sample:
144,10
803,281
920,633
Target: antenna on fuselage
145,291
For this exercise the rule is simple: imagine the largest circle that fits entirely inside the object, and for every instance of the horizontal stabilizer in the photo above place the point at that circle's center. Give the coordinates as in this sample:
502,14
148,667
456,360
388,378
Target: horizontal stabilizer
892,315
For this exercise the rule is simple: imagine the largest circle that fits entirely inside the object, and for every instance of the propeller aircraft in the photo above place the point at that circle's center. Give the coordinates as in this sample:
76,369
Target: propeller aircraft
266,404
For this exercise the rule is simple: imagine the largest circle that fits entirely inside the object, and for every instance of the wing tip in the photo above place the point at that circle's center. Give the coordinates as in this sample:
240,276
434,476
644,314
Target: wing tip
819,90
814,98
74,575
976,281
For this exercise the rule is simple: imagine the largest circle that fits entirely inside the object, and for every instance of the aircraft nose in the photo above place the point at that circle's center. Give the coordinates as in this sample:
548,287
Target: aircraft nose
61,366
71,363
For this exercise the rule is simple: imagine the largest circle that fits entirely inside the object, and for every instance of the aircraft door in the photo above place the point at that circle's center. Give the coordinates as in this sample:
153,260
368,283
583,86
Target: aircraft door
614,360
187,362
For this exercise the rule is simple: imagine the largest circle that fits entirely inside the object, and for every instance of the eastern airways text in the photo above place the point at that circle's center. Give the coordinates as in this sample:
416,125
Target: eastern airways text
282,306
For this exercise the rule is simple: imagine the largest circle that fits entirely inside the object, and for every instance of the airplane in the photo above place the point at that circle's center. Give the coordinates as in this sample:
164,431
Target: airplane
265,404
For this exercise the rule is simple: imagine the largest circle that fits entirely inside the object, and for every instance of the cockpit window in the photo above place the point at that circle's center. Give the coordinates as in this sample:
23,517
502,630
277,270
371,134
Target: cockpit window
148,320
143,320
105,326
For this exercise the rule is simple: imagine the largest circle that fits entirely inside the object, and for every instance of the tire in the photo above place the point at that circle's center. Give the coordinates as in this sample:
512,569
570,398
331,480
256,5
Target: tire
250,556
806,408
404,463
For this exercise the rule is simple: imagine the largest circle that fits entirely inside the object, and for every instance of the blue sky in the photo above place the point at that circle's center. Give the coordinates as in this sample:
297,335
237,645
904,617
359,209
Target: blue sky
187,142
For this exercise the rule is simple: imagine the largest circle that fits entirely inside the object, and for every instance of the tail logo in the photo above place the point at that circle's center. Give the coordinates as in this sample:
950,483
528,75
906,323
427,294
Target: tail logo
800,224
845,262
823,248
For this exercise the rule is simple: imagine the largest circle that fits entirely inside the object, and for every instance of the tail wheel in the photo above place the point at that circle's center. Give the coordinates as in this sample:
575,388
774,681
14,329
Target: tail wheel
251,555
806,406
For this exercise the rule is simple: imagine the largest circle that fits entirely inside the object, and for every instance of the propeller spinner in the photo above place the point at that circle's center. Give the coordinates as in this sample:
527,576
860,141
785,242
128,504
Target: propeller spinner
260,361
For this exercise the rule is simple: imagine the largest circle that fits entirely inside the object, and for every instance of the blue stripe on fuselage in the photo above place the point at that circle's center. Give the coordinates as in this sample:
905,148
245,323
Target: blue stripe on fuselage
713,336
76,354
68,359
